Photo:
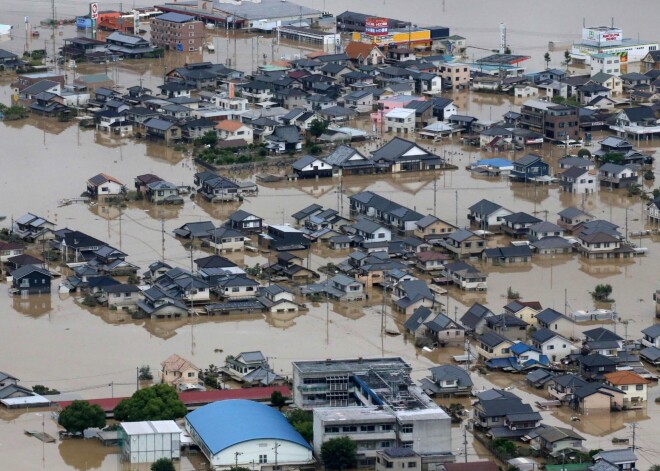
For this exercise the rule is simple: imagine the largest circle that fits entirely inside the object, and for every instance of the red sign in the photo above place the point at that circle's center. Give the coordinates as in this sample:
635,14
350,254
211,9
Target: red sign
94,11
376,26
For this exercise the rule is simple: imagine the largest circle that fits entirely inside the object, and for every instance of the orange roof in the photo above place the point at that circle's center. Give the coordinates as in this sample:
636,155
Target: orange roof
176,363
229,125
618,378
355,49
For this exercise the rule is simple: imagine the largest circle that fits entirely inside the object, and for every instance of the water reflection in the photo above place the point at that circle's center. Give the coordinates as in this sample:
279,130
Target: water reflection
35,305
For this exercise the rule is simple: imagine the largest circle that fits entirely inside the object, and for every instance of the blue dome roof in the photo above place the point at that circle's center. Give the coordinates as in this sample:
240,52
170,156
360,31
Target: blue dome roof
226,423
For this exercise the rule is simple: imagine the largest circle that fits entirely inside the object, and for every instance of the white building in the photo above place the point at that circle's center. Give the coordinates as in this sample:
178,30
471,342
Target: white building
609,40
146,442
578,181
553,345
392,412
400,120
605,63
247,434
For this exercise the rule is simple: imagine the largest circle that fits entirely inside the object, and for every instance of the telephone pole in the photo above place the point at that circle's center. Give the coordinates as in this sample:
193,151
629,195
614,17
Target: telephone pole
465,443
162,233
634,427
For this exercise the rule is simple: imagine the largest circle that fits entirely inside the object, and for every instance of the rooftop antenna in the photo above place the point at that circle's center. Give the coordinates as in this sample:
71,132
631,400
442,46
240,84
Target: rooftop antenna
612,22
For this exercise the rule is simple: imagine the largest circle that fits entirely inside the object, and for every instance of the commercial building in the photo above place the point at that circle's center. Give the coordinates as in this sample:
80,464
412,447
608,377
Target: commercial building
149,441
177,32
375,402
555,122
248,434
609,40
264,15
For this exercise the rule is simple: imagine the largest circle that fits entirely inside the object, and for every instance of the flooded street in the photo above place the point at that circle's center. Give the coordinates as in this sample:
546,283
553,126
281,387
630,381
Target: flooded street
93,352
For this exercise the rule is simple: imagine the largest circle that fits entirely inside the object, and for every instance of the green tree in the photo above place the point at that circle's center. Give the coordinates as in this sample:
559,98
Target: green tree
602,292
144,373
209,138
277,400
567,58
507,50
612,158
303,422
159,402
546,58
44,390
81,415
655,467
163,464
339,453
584,153
318,127
504,447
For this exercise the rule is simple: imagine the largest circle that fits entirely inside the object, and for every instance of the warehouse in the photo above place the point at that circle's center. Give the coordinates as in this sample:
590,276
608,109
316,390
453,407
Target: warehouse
248,434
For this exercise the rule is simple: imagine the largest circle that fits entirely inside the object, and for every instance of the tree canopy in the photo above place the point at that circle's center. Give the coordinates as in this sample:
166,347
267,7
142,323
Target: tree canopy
612,158
277,399
163,464
303,422
81,415
159,402
602,293
339,453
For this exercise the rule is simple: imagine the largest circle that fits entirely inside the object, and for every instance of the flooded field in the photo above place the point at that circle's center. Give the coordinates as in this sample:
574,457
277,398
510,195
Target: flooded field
54,340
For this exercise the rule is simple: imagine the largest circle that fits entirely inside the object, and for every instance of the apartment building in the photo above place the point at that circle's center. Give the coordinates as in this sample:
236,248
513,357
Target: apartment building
177,32
555,122
376,403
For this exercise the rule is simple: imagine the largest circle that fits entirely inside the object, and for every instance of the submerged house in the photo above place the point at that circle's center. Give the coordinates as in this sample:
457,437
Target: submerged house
446,381
31,279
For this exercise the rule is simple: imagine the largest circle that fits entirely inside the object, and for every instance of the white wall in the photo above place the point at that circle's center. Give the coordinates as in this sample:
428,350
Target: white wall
287,452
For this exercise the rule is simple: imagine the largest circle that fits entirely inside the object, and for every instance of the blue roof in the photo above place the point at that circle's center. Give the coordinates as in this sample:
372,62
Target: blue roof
495,162
249,421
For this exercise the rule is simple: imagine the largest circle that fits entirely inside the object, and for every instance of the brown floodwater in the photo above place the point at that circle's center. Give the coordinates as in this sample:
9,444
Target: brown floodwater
56,341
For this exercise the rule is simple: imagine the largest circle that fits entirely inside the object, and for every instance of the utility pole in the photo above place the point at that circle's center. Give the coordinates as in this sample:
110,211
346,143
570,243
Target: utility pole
435,194
277,445
52,25
456,209
465,443
634,427
162,232
137,378
192,243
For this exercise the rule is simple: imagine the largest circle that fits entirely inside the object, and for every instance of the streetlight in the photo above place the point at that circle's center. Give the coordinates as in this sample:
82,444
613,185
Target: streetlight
236,458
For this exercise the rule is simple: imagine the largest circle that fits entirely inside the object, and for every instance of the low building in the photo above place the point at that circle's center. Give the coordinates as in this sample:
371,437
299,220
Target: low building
447,380
491,345
31,279
397,458
400,120
104,186
554,441
149,441
123,297
634,387
259,438
463,243
618,176
578,181
177,371
551,344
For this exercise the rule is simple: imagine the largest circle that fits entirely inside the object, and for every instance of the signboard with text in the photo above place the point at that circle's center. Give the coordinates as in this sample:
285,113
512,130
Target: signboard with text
602,36
94,11
376,26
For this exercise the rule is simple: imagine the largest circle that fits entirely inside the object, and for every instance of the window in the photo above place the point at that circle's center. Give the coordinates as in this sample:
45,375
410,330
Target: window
639,387
407,428
367,428
350,428
332,430
263,458
624,388
412,464
191,374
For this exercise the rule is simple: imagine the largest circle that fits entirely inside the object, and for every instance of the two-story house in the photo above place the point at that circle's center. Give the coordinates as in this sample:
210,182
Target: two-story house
474,319
594,366
179,372
517,225
492,345
634,387
463,243
618,176
447,380
551,344
487,215
530,167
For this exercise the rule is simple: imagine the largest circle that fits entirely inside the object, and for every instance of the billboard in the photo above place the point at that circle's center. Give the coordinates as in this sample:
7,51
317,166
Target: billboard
603,36
376,26
94,11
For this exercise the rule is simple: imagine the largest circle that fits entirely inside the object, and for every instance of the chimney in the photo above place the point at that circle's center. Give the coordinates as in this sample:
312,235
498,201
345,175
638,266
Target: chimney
232,92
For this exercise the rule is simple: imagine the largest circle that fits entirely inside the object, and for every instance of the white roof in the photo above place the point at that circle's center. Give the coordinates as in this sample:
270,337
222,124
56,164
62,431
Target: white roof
399,113
27,400
149,427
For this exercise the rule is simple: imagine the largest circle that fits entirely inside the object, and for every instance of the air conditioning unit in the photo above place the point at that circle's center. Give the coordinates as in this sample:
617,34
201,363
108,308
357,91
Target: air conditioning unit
513,428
